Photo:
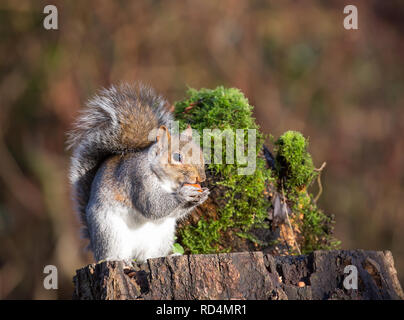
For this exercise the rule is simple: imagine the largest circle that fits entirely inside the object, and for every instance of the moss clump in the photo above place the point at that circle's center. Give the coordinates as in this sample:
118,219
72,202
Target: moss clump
315,227
245,205
296,172
292,162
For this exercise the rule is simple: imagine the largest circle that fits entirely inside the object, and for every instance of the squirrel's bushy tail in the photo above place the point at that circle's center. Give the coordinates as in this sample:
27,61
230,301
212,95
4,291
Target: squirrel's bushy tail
115,121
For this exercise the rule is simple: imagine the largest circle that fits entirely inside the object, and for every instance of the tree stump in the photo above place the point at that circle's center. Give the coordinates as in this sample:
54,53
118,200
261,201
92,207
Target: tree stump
243,275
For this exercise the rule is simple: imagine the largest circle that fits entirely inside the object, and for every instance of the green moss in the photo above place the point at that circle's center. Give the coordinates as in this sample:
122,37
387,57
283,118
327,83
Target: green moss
292,162
225,108
244,203
316,228
296,172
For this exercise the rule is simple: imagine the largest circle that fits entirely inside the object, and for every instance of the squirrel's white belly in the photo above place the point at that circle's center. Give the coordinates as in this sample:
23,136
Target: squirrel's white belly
153,239
142,239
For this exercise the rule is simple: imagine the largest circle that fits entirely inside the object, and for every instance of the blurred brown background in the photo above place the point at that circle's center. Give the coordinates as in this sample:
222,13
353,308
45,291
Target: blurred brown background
293,60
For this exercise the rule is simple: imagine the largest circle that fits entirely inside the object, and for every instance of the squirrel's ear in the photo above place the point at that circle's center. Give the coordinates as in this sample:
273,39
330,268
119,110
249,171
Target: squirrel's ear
188,131
163,136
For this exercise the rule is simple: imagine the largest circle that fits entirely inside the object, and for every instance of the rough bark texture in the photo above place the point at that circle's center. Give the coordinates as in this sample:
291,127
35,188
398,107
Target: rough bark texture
244,275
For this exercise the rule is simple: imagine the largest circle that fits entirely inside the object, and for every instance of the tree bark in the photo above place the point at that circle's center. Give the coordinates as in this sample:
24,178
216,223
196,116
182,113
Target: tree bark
244,275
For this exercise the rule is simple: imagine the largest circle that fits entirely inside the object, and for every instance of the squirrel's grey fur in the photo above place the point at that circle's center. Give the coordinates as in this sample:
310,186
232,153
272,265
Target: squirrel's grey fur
128,198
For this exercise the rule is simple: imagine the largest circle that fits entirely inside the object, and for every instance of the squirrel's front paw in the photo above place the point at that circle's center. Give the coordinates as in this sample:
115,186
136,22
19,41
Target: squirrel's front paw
193,195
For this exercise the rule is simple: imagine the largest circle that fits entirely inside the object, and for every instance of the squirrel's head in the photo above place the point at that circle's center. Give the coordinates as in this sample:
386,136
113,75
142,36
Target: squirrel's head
177,159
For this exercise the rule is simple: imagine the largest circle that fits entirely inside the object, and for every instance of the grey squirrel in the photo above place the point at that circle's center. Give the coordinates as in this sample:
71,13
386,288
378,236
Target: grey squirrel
131,182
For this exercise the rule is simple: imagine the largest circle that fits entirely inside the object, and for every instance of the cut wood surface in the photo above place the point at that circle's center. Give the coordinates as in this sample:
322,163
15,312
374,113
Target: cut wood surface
242,275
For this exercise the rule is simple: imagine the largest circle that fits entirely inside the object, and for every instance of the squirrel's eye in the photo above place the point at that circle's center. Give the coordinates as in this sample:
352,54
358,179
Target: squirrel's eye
177,157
